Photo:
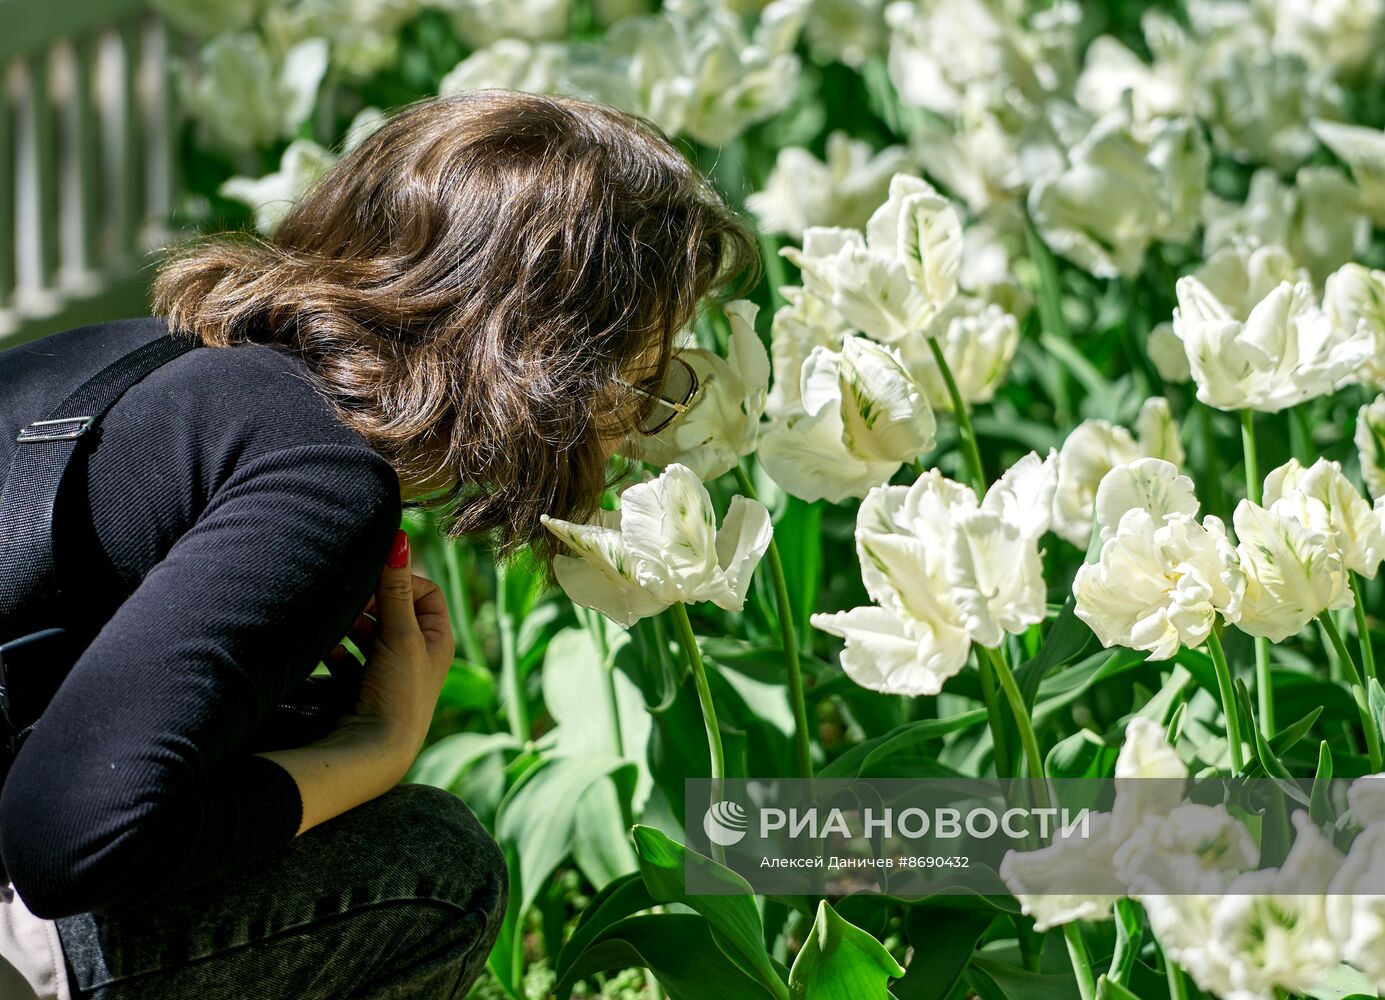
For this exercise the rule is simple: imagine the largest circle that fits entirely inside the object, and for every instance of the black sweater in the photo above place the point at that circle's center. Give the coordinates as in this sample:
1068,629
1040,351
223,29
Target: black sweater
231,528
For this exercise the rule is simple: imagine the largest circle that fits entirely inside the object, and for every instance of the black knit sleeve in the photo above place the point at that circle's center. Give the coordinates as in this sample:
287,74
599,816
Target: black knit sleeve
137,782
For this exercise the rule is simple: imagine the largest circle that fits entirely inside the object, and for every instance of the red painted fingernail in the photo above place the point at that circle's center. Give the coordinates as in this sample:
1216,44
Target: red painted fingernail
399,555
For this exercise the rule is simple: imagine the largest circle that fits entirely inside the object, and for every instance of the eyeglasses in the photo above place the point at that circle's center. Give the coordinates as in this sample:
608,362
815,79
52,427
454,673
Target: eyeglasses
673,398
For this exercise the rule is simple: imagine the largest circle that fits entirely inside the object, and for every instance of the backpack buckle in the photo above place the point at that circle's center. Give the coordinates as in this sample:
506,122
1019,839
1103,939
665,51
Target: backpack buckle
77,426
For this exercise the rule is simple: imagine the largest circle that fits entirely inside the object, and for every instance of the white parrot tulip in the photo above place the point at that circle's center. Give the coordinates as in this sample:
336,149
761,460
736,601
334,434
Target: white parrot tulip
803,191
662,548
1151,484
1363,150
1321,497
723,422
1150,778
1158,586
1356,917
1093,449
1293,569
978,341
862,416
944,571
1270,931
1370,445
890,282
1283,352
1354,299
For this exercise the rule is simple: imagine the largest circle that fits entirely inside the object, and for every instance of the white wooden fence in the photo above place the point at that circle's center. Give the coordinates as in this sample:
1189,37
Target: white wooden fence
88,160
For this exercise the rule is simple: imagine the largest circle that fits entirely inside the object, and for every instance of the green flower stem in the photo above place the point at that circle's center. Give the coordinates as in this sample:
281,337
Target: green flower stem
1000,740
1228,699
704,693
775,274
1363,631
1211,478
1301,435
970,451
1077,950
1081,962
1358,688
1022,721
803,750
592,622
461,604
1264,687
515,709
1050,293
1178,986
1252,459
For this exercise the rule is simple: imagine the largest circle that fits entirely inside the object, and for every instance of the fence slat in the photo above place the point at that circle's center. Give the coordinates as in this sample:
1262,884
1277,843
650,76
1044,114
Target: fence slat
130,201
42,136
86,148
8,193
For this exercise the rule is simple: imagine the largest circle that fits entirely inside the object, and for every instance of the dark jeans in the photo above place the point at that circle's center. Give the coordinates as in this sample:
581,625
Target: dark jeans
399,898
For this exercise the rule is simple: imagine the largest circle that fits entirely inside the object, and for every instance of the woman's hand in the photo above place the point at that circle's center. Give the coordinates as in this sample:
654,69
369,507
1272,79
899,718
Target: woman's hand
406,634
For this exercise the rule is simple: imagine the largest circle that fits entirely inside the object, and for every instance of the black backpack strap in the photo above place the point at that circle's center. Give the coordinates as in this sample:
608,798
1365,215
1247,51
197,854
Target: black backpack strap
36,471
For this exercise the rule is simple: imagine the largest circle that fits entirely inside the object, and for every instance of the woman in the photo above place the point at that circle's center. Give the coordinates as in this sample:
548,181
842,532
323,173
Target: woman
470,312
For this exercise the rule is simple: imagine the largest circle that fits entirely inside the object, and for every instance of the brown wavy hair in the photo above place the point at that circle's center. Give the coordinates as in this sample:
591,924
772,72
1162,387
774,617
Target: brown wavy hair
466,287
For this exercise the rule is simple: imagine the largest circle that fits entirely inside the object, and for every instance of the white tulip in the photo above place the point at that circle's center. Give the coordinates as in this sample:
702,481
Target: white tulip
246,96
1160,90
1150,778
1370,445
978,340
1354,299
987,157
1366,799
1284,352
1121,192
693,68
1260,104
1321,497
363,34
1340,38
1363,150
512,64
805,322
484,22
1165,350
723,421
661,548
890,282
273,195
1042,880
944,571
1093,449
1318,219
942,51
1293,570
862,416
846,31
1178,866
1100,211
1159,586
1149,783
1151,484
1356,907
914,640
1270,931
885,414
1240,276
803,191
